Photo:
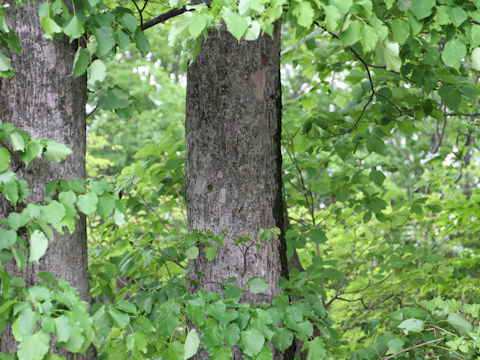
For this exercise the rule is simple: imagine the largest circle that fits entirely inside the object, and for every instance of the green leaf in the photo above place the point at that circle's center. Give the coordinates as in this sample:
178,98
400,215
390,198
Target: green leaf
422,9
396,344
453,53
34,346
87,203
192,252
17,141
56,151
390,54
237,25
476,58
119,318
105,40
232,335
459,323
412,325
25,324
377,177
257,285
352,34
198,23
50,27
458,16
369,38
106,205
5,63
126,306
63,328
141,43
81,61
38,245
4,159
316,349
332,17
74,28
210,252
450,96
282,339
251,342
192,343
19,258
265,354
222,354
400,31
97,71
129,22
304,13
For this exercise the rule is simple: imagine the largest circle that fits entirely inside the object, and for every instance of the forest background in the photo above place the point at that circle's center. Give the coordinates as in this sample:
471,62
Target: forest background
380,186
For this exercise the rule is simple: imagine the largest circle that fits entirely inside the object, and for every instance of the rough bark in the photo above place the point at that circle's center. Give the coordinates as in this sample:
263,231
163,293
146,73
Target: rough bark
233,160
44,99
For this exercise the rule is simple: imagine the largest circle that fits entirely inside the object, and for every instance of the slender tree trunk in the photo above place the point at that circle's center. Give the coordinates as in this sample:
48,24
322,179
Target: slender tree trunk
44,99
233,160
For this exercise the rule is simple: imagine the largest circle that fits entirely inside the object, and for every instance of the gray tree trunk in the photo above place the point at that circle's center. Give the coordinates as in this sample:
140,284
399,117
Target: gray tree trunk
233,160
44,99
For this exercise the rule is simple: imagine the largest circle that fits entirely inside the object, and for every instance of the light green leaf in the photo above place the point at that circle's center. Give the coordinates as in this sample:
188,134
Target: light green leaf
34,346
5,63
333,17
458,16
369,38
453,53
475,35
63,328
119,318
4,159
38,245
316,349
56,151
396,345
74,28
50,27
476,58
257,285
129,22
106,205
282,339
237,25
459,323
422,9
210,252
17,142
191,344
352,34
400,30
304,13
265,354
197,24
87,203
232,335
105,40
97,71
253,31
251,342
390,54
81,61
411,325
192,252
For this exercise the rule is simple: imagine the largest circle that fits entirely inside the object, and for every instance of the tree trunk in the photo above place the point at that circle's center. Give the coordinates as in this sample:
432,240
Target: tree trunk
233,160
44,99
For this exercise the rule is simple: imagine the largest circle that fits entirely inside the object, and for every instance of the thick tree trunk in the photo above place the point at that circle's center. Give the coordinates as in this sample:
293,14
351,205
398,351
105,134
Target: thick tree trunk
44,99
233,160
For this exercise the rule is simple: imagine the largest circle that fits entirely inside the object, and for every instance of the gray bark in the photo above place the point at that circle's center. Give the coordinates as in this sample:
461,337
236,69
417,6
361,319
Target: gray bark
44,99
233,160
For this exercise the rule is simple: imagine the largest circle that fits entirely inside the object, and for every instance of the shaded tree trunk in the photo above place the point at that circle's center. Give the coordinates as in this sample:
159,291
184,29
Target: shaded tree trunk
233,160
44,99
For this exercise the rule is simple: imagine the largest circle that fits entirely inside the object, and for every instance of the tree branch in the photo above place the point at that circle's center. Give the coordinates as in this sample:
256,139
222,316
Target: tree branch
163,17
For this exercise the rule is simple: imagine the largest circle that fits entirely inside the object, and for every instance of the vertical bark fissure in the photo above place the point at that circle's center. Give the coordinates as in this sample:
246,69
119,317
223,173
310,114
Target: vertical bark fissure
44,99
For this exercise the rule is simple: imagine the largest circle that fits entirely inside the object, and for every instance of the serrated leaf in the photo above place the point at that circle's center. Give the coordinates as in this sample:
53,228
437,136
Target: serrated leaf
459,323
412,325
38,245
56,151
197,24
192,343
257,285
97,71
237,25
453,53
4,159
74,28
87,203
422,9
34,346
105,40
251,342
80,64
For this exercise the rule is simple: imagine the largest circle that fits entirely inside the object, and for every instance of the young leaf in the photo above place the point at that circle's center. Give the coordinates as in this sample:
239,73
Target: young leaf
38,245
81,61
191,344
251,342
74,28
56,151
257,285
97,71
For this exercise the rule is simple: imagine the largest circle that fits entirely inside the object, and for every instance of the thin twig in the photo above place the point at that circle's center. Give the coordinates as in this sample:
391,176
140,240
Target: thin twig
163,17
414,347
